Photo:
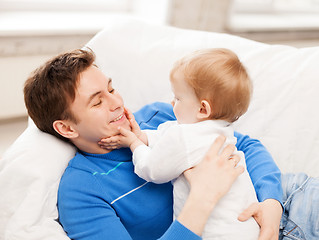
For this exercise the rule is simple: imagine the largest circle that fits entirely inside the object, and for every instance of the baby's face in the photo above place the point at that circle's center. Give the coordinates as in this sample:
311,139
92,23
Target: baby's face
185,104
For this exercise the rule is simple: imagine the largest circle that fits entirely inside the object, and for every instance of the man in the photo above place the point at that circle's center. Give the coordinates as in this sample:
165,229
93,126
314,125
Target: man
100,197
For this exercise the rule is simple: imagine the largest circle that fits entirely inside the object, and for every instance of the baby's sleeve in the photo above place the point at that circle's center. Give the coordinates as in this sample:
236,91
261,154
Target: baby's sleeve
164,161
153,136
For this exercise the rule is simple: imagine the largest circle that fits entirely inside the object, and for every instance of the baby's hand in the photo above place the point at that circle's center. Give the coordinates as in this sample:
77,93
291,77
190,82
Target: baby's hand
111,143
135,128
124,139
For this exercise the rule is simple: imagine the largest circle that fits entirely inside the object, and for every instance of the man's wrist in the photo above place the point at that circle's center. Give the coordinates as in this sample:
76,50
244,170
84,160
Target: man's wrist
204,204
196,212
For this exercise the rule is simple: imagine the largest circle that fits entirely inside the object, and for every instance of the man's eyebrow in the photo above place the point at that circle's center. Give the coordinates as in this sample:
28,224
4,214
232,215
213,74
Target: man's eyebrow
93,96
97,93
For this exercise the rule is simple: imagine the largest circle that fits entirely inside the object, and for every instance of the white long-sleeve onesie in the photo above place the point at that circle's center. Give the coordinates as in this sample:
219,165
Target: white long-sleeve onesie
172,149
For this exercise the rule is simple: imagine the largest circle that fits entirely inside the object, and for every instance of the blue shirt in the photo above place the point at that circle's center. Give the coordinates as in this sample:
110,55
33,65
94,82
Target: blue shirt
100,197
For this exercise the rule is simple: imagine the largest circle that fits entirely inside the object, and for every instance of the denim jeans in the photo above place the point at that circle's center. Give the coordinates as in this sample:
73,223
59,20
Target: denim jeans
300,220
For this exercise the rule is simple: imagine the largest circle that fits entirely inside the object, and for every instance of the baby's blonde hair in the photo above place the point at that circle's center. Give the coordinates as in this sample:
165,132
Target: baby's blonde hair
217,76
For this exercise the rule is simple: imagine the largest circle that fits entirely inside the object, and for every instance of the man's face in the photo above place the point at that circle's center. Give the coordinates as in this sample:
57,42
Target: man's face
99,109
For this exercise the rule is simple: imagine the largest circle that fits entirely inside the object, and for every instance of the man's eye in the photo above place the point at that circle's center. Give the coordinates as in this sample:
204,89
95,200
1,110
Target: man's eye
97,104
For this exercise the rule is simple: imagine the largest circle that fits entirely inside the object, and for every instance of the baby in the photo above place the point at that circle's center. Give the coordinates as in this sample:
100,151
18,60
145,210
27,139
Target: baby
211,90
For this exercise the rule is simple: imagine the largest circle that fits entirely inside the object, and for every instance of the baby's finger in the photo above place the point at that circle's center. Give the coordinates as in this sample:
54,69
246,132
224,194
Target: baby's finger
129,115
124,132
134,125
113,139
102,141
109,144
110,147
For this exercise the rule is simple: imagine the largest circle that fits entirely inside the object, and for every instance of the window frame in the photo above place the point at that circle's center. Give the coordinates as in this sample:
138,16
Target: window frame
275,6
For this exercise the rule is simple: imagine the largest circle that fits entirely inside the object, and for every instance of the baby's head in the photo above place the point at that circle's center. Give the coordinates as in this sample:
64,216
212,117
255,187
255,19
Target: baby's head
210,84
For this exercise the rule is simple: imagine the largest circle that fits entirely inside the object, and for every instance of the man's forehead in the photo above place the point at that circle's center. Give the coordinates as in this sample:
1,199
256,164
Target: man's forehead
92,79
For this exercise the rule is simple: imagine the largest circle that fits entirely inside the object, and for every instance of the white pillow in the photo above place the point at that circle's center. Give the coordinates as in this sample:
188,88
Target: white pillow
30,173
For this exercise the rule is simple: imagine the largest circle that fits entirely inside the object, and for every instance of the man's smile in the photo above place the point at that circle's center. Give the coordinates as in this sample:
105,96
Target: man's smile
118,118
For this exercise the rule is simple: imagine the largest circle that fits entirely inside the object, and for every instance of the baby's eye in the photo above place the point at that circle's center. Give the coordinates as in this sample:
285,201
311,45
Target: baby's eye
112,90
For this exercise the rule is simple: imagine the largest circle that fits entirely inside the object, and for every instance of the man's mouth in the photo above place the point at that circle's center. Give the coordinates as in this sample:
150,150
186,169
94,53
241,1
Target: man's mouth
118,118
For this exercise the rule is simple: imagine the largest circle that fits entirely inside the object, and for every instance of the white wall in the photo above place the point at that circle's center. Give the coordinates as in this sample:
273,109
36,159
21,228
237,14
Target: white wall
19,56
13,73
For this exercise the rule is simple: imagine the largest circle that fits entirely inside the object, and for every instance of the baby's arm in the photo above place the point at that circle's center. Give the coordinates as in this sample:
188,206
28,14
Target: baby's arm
165,160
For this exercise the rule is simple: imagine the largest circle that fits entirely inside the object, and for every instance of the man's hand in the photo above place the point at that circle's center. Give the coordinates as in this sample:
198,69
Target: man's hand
267,214
216,167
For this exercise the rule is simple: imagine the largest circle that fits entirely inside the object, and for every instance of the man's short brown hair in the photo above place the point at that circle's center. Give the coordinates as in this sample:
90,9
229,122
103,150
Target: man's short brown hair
51,88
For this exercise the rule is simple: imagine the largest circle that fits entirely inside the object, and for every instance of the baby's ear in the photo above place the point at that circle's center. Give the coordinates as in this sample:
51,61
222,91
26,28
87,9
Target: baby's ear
204,111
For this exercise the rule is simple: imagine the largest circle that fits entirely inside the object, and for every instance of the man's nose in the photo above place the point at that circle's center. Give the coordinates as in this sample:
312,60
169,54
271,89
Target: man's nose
115,102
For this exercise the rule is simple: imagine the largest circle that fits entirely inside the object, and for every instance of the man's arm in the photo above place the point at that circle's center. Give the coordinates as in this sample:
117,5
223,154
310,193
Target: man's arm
86,215
83,213
262,169
266,178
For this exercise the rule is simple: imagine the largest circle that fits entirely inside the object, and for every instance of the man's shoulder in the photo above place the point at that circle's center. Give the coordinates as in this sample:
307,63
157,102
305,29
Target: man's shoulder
80,162
152,115
78,170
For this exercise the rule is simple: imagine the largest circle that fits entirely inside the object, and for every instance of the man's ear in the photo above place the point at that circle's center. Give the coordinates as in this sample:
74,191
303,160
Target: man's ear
204,111
65,129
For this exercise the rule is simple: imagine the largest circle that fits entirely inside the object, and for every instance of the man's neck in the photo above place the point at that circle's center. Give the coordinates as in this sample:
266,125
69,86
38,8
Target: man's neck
90,147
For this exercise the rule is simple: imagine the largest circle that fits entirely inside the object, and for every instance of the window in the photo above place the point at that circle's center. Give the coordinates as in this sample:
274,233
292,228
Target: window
49,26
274,15
276,6
78,16
39,17
64,5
